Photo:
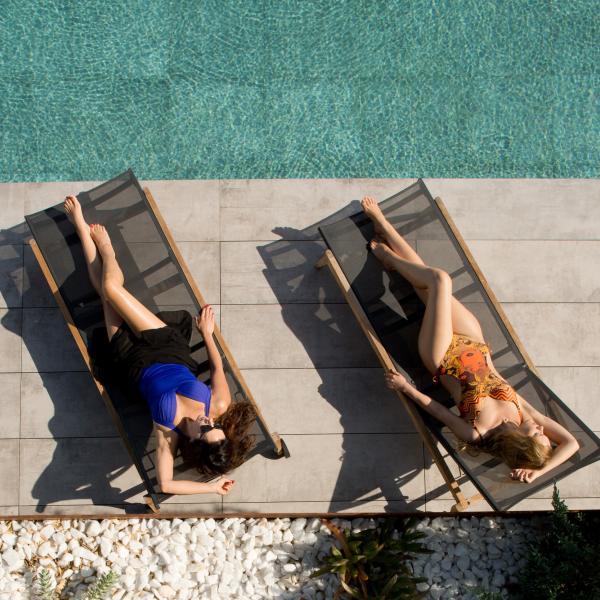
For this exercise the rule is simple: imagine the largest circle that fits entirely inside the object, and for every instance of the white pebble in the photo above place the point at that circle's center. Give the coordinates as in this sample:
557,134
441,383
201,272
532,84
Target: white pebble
46,532
166,591
47,549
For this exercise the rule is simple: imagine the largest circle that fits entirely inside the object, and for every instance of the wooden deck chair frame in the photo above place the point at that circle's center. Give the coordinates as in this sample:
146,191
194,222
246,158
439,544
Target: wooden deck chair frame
462,502
152,498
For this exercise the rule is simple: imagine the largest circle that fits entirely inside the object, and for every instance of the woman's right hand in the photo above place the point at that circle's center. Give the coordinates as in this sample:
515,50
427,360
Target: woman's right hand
396,382
205,321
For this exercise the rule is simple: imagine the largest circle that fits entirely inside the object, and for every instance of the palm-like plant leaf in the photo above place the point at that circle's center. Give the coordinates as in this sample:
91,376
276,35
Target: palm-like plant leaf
375,561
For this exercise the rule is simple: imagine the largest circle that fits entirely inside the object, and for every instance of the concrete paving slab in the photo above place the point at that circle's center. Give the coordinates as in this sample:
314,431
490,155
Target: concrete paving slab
577,388
326,401
191,508
204,262
75,471
210,502
250,245
335,468
318,508
262,209
36,292
279,272
60,405
584,483
558,334
190,208
527,271
12,206
522,209
10,339
8,511
39,196
9,472
47,344
540,271
380,189
11,275
545,504
87,510
295,336
10,405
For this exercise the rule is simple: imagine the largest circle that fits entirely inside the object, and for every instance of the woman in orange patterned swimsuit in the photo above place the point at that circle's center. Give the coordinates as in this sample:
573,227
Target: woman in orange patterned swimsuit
493,417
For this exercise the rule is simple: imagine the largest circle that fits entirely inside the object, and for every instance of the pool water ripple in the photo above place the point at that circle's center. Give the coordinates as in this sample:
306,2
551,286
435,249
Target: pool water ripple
268,89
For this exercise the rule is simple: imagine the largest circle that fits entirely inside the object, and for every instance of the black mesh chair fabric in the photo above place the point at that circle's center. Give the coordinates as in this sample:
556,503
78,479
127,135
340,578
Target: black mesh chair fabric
395,313
153,275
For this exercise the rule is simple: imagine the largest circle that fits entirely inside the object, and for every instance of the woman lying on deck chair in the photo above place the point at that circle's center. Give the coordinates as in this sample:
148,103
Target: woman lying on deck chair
493,417
211,431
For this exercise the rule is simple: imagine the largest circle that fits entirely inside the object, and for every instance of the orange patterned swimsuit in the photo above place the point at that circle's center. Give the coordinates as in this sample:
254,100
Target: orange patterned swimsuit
465,360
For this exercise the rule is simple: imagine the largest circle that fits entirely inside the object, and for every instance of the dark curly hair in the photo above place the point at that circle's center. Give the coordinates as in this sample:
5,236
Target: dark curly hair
217,458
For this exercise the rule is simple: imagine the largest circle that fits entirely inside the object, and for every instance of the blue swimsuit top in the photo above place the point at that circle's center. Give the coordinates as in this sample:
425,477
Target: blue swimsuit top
159,383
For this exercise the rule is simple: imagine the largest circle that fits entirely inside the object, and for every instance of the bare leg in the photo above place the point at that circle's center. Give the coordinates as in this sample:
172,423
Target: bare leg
435,334
137,316
93,261
463,320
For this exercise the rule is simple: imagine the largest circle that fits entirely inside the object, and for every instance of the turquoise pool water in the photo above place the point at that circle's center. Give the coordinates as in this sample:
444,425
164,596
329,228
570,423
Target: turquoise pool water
275,88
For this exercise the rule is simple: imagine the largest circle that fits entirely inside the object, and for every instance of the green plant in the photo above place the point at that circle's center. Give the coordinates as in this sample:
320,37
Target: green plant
44,585
45,590
564,563
374,564
101,588
486,595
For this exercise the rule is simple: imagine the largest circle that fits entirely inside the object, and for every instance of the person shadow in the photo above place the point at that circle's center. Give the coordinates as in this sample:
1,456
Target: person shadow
66,451
382,454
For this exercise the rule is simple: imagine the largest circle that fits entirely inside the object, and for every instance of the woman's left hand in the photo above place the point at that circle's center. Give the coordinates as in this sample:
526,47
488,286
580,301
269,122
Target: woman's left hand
223,486
205,321
524,475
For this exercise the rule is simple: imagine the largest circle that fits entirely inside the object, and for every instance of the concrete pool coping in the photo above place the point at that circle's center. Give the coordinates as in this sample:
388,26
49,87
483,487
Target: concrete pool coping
353,449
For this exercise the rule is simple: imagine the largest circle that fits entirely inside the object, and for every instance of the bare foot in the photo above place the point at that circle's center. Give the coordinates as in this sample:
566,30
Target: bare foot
73,210
372,210
381,251
101,238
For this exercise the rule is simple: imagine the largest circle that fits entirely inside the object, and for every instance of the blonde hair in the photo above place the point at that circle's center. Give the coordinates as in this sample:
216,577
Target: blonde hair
517,450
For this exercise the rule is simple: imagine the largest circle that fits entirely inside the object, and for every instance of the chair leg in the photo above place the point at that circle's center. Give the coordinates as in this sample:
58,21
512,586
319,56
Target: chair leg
151,504
322,262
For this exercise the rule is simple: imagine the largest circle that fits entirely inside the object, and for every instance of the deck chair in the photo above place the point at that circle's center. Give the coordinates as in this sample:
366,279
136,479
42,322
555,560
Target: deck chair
157,275
390,314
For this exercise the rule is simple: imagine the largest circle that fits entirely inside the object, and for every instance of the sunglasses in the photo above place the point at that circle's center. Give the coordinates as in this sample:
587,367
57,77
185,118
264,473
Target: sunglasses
204,429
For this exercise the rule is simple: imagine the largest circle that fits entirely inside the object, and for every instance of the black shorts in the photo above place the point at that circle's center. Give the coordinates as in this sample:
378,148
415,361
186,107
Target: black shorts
129,354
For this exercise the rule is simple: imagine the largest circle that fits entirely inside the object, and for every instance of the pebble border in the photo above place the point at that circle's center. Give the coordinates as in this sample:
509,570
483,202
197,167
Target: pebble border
249,559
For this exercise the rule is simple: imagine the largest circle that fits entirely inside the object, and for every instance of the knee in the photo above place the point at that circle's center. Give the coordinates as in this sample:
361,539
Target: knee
440,278
110,289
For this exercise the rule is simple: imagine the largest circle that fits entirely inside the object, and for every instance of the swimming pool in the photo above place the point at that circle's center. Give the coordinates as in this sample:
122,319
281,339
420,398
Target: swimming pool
267,88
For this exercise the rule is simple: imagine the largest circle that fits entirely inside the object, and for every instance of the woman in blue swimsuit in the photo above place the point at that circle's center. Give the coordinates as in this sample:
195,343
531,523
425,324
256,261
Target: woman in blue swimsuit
210,430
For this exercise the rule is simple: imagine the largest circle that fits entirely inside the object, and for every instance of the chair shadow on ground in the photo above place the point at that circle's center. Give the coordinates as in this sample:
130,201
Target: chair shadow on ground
290,270
86,456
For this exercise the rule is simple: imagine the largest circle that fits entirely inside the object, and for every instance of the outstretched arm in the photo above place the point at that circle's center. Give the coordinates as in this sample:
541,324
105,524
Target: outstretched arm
460,428
221,396
566,444
165,453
